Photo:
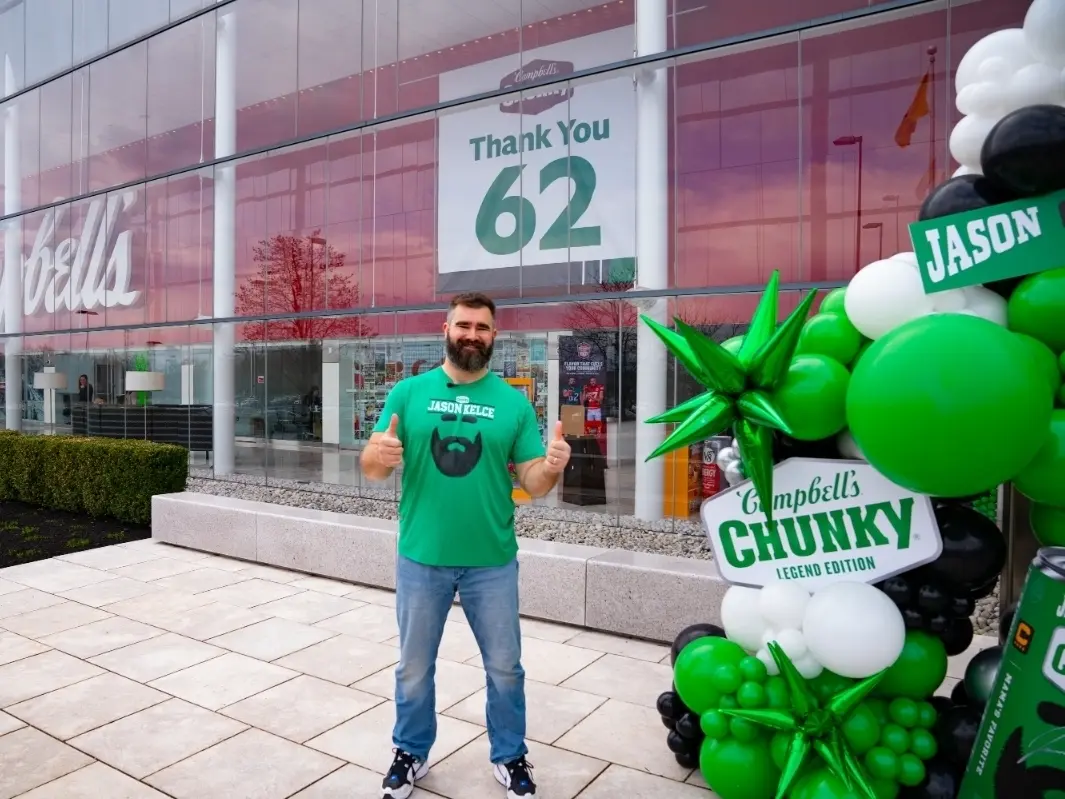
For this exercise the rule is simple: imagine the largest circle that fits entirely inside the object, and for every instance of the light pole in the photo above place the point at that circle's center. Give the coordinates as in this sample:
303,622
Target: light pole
851,141
878,226
894,200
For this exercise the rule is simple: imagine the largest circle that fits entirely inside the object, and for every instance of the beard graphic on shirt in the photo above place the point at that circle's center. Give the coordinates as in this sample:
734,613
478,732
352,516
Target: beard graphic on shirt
455,456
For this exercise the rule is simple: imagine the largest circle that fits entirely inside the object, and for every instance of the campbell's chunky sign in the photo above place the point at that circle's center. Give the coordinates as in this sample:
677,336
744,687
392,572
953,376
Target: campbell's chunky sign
90,270
832,520
536,101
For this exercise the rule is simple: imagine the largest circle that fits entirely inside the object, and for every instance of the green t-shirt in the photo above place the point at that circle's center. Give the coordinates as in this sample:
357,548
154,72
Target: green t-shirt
456,507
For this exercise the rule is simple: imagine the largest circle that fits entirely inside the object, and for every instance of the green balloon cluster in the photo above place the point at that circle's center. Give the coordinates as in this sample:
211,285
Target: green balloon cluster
747,749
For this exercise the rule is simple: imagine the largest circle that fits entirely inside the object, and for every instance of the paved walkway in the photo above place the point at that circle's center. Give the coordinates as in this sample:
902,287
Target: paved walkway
145,670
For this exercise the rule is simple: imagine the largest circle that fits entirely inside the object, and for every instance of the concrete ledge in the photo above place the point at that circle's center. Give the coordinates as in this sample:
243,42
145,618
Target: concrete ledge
631,593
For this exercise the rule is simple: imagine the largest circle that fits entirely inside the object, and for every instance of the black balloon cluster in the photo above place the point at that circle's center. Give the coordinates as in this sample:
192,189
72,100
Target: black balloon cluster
940,597
685,737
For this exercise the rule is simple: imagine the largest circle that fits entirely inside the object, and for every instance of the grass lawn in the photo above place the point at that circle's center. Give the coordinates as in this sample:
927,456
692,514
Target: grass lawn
28,533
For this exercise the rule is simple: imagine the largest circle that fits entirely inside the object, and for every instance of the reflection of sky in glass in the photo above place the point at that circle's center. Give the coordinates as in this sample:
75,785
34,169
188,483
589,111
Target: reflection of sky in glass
757,183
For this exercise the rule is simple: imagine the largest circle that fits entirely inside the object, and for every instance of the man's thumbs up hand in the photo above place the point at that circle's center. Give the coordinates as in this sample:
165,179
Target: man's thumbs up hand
389,447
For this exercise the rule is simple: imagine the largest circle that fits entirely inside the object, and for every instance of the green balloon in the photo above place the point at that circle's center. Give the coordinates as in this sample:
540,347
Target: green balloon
1043,479
776,692
751,696
812,398
727,678
926,715
778,748
733,344
861,729
829,683
753,670
886,789
879,707
1048,524
1061,362
739,770
923,744
862,349
1037,307
903,712
882,763
833,302
744,730
714,724
895,738
919,669
944,380
1044,358
830,334
695,667
1059,400
821,783
911,770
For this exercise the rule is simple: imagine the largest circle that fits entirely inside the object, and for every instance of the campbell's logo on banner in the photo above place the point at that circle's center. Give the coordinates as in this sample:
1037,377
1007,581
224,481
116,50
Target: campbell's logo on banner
538,101
84,272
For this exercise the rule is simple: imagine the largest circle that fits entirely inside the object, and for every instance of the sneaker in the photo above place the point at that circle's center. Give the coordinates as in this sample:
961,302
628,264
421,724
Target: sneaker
516,777
405,771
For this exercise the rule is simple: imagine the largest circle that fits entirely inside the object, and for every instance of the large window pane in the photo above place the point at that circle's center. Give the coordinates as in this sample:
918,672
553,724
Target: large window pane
181,90
265,71
118,96
330,64
49,36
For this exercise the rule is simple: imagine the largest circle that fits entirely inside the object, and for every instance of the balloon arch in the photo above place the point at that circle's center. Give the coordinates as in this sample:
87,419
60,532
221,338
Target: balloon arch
870,441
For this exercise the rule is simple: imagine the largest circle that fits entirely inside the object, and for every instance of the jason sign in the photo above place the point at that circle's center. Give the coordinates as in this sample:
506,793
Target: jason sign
84,272
832,520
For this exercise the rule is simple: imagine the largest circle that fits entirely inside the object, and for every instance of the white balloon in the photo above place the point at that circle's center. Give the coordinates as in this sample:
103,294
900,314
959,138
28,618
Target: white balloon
741,619
1008,44
906,258
968,137
949,301
783,604
964,170
808,666
986,304
1044,31
853,629
884,295
725,457
1035,84
848,447
734,473
770,664
989,99
792,642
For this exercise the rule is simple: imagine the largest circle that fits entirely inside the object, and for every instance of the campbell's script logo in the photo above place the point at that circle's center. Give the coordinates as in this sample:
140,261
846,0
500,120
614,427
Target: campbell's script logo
538,101
87,271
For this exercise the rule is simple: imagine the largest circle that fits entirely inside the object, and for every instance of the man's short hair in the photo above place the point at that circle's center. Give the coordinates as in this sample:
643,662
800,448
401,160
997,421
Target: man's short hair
472,299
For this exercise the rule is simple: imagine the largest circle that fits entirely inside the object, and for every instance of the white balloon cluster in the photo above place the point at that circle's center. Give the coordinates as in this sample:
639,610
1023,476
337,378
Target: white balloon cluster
1005,71
731,464
889,293
852,629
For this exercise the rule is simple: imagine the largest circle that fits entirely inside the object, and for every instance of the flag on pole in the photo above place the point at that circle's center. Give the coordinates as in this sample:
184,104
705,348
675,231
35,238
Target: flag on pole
919,108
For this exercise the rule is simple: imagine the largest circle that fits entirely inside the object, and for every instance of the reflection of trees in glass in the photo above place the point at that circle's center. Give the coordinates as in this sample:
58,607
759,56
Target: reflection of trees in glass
295,274
610,326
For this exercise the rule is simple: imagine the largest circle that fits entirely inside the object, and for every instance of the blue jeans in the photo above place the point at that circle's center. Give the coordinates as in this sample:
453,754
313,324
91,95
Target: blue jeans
489,596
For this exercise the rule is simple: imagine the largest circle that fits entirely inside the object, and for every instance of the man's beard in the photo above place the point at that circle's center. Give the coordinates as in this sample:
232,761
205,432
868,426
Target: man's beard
469,356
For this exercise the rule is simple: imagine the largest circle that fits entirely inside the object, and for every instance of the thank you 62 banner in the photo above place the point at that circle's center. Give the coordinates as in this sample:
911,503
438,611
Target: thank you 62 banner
538,189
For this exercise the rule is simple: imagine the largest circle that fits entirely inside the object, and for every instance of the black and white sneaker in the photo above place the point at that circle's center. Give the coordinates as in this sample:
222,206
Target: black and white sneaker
405,771
516,777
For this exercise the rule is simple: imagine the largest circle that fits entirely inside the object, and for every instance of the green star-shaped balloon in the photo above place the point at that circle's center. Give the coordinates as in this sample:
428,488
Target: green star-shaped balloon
738,386
815,726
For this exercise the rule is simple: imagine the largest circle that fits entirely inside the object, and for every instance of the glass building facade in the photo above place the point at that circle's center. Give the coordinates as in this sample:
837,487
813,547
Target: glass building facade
265,205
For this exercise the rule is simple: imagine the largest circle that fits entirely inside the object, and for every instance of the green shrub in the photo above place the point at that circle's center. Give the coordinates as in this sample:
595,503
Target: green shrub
101,477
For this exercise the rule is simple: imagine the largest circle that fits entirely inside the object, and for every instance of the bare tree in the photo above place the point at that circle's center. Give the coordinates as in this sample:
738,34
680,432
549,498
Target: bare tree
295,274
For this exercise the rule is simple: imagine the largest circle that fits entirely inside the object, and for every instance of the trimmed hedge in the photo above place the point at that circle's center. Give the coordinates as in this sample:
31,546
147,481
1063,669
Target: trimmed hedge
100,477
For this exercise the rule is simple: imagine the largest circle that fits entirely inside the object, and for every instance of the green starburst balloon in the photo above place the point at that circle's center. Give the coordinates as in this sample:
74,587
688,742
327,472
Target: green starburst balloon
738,387
815,726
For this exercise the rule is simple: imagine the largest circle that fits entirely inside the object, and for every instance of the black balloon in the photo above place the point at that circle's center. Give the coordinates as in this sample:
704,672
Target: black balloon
1025,151
913,619
941,703
932,598
669,722
665,704
1004,288
693,633
942,781
962,606
785,447
985,590
899,588
687,759
955,733
677,744
688,727
957,636
980,675
958,694
974,550
963,193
